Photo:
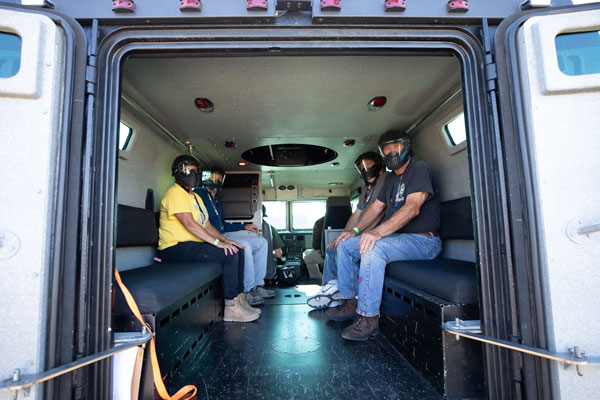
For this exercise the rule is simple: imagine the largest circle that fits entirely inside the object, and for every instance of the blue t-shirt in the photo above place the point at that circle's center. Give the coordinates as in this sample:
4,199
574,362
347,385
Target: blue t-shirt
215,212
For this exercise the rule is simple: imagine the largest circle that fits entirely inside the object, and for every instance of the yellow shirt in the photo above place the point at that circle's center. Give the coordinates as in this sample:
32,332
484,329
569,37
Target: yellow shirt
178,200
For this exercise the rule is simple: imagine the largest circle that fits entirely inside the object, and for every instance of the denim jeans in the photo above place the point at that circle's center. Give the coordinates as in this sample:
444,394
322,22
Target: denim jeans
255,257
233,265
367,271
330,266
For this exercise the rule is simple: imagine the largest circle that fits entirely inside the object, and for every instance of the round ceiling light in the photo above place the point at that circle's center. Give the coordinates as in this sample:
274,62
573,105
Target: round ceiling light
376,103
242,164
335,164
349,143
230,144
204,105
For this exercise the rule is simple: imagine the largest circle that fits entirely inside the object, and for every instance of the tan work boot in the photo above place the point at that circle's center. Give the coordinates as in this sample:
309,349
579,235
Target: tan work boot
235,313
241,300
344,312
362,328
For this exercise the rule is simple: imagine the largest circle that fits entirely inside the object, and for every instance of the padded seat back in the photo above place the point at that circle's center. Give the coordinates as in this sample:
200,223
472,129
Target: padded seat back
456,219
337,213
137,237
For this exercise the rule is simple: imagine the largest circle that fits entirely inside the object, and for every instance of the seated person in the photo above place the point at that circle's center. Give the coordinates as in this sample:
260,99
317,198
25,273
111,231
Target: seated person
312,257
371,168
255,246
409,232
186,235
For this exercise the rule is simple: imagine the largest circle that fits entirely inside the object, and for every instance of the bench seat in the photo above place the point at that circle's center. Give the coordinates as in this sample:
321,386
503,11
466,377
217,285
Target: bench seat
180,301
158,286
419,296
452,280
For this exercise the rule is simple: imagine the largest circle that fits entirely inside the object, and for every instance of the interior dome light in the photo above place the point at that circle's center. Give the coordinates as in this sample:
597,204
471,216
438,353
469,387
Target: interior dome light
241,164
335,164
204,105
230,144
336,183
376,103
349,143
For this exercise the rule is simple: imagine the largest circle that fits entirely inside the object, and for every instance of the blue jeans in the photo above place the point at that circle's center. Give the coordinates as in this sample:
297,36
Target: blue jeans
330,266
367,271
255,257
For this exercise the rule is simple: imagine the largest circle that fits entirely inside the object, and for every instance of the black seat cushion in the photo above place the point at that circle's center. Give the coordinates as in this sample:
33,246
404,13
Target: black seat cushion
452,280
156,287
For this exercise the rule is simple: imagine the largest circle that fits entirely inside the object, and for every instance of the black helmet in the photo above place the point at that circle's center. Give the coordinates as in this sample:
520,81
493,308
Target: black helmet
183,176
394,160
365,172
208,177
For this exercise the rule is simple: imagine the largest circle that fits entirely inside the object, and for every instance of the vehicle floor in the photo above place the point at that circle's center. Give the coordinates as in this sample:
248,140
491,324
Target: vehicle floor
294,352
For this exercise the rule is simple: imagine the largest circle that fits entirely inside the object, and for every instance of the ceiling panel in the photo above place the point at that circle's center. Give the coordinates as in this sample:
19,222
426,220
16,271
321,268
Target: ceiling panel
285,99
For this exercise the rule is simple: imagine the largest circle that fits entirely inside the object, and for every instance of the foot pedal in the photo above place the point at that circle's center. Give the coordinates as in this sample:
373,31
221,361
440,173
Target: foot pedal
458,6
190,5
331,5
395,5
257,5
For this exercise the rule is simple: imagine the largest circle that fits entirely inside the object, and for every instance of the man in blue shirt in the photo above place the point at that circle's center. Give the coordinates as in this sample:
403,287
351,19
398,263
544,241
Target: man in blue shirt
256,247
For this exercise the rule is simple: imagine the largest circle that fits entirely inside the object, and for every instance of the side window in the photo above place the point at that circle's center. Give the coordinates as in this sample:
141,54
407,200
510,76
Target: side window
10,54
276,214
125,136
578,53
456,131
305,214
354,203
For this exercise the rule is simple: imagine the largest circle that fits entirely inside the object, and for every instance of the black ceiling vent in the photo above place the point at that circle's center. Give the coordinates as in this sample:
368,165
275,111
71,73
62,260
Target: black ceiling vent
289,155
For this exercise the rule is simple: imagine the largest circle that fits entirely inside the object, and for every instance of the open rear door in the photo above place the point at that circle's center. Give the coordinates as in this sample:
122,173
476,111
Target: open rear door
42,69
548,66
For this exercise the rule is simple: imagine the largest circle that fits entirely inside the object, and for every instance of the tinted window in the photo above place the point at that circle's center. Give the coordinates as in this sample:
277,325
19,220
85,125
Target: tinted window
456,130
276,214
305,213
578,53
10,54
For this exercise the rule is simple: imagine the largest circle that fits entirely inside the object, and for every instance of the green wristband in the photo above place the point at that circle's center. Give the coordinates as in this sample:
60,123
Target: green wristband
216,242
355,229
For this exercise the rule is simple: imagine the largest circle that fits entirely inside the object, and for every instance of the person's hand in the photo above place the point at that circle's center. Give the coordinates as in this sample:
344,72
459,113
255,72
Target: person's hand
236,244
345,236
228,247
278,253
367,241
251,228
334,243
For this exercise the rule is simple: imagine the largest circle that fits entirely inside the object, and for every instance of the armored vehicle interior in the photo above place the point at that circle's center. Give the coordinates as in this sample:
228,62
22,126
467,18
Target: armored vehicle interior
252,114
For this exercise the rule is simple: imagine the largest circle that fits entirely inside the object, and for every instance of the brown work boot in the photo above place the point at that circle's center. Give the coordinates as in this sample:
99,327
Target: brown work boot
344,312
362,328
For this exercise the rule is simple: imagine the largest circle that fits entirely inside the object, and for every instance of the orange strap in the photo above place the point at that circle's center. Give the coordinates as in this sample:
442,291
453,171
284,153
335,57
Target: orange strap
184,392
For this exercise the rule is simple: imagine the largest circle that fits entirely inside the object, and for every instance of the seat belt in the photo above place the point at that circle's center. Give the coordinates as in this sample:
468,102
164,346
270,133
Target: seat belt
186,392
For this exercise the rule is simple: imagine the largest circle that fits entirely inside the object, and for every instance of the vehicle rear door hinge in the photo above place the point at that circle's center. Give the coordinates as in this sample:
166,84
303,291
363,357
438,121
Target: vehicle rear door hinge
491,76
91,75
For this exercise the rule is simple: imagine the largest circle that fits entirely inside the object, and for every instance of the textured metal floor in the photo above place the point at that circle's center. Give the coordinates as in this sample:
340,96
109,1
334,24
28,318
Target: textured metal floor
293,352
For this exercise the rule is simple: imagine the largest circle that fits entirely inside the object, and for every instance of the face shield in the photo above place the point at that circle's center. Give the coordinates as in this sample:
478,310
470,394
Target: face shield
188,175
369,165
397,151
212,180
367,169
